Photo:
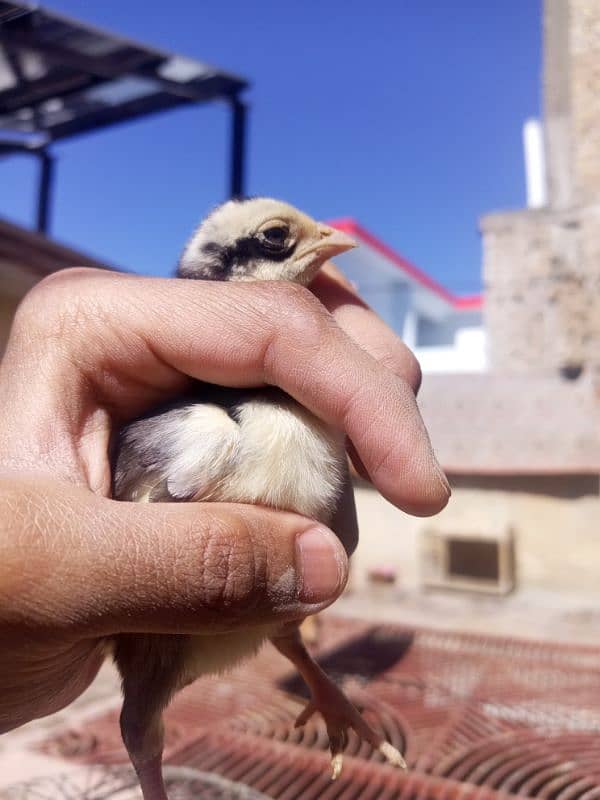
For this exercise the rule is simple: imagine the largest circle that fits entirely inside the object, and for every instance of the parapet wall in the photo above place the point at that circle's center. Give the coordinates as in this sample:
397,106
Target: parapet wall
541,273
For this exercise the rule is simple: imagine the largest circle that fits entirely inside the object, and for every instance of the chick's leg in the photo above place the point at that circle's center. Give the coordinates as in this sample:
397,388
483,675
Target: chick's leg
150,667
337,711
142,732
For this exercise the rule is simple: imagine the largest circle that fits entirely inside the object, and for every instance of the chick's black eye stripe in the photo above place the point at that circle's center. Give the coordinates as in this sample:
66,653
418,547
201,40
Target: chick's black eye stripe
218,267
242,252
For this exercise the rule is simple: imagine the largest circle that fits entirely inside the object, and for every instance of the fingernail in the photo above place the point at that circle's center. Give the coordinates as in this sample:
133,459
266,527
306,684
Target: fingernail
321,564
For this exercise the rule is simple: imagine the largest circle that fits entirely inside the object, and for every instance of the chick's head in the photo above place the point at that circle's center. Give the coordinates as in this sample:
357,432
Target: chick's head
260,239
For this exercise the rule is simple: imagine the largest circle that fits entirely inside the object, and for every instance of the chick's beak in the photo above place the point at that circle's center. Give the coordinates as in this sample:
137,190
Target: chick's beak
324,244
332,242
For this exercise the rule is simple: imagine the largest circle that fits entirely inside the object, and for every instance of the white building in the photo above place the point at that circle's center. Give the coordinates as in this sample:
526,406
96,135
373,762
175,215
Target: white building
444,331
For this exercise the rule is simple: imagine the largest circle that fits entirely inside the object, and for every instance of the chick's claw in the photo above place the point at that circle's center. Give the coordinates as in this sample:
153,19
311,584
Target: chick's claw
392,755
336,765
305,715
339,716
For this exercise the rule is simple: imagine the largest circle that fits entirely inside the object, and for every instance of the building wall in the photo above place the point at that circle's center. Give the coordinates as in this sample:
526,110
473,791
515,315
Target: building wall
436,333
392,300
571,100
542,316
555,524
542,268
466,354
541,289
454,342
584,48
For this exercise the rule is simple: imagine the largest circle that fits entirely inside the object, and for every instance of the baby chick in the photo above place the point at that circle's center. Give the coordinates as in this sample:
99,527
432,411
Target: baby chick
247,446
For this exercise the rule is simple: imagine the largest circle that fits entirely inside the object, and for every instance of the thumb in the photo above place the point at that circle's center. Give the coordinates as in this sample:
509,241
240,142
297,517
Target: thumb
93,566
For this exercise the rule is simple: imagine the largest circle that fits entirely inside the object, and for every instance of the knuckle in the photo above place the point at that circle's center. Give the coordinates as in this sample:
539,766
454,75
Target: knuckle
232,568
62,284
46,299
304,316
51,303
297,298
69,277
299,324
401,361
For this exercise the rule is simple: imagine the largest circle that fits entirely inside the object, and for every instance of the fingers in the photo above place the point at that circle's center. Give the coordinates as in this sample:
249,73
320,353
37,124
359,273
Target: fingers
360,322
119,340
90,566
368,330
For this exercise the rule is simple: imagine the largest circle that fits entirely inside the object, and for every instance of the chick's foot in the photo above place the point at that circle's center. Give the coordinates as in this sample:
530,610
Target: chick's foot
339,715
337,711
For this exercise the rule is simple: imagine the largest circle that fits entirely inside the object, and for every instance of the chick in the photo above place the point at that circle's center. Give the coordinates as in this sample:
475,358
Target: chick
247,446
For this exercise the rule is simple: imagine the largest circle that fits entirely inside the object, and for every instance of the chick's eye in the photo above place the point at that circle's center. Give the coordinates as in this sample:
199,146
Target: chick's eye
276,235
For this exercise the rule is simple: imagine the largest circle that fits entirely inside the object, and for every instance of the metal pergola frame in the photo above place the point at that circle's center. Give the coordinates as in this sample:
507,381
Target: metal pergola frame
93,80
45,180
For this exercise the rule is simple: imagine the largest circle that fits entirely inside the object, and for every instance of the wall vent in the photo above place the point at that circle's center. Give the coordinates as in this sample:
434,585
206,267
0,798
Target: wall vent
481,562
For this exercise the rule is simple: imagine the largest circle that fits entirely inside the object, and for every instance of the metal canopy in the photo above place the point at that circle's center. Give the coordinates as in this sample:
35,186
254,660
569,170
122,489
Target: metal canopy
60,77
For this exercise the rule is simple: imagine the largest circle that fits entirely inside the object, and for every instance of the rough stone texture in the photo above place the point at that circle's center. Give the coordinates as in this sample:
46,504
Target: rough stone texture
584,50
557,101
542,268
572,100
542,276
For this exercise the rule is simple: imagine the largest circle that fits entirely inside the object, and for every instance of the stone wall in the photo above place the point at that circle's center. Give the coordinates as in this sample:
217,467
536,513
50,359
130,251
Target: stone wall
584,52
542,268
542,276
572,100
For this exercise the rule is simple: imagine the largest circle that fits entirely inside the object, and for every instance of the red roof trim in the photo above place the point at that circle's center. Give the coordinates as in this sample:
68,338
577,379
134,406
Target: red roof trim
349,225
472,302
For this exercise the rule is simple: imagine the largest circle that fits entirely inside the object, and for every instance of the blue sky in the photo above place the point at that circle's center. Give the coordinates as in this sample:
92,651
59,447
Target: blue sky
405,114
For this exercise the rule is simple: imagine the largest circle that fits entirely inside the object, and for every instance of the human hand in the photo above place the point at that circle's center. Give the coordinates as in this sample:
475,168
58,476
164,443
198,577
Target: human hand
90,350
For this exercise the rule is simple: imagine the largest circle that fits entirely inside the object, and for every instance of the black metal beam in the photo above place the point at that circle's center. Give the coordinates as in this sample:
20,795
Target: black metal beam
36,91
44,190
238,147
46,175
138,62
103,116
90,119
